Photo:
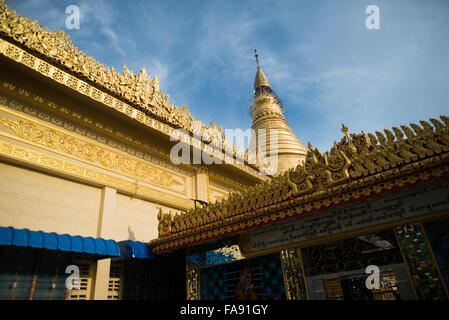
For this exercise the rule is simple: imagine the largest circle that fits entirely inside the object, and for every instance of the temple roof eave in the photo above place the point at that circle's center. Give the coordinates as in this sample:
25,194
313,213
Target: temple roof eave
358,167
137,96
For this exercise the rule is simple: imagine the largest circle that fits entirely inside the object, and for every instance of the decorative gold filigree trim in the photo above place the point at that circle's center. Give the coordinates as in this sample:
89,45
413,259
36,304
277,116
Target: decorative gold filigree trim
140,91
160,158
53,139
356,167
60,166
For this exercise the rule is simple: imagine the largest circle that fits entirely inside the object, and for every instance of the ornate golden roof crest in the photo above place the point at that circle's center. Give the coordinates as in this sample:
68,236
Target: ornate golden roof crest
140,91
359,165
56,47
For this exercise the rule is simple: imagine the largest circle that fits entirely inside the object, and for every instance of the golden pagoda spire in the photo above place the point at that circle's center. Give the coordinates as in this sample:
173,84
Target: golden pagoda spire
261,79
266,110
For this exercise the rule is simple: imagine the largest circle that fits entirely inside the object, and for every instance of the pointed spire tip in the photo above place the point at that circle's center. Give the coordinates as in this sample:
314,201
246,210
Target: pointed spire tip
257,56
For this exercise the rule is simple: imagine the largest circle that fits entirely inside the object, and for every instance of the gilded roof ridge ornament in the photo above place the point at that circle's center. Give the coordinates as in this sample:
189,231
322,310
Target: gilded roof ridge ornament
358,158
140,90
57,47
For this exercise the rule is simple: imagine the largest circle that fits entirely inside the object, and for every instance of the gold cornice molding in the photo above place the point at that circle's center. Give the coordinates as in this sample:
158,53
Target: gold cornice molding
51,109
17,54
65,168
177,117
230,184
51,138
57,49
222,185
14,95
217,191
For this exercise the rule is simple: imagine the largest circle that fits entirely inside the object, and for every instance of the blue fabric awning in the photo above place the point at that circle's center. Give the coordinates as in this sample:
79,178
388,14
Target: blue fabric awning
54,241
134,249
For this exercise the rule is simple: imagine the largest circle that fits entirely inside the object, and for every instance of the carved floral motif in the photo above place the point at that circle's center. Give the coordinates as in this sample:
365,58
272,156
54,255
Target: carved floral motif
92,153
362,163
141,91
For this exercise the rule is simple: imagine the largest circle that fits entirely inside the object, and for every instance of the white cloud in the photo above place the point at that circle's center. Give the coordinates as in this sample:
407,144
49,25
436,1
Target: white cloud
319,57
100,17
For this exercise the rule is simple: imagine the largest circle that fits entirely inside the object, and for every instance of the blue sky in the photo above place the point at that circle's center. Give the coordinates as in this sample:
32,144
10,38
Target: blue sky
319,57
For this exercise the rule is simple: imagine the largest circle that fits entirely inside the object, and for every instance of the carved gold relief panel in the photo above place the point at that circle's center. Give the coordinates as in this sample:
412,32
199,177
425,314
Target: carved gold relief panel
174,115
49,137
61,166
217,194
151,154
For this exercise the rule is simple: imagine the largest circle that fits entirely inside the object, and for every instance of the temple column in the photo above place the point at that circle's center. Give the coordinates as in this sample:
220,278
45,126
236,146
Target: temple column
105,230
202,185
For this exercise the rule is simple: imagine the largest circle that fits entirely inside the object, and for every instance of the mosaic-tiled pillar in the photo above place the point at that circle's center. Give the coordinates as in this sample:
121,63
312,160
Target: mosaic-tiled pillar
438,235
225,254
193,281
420,261
294,283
